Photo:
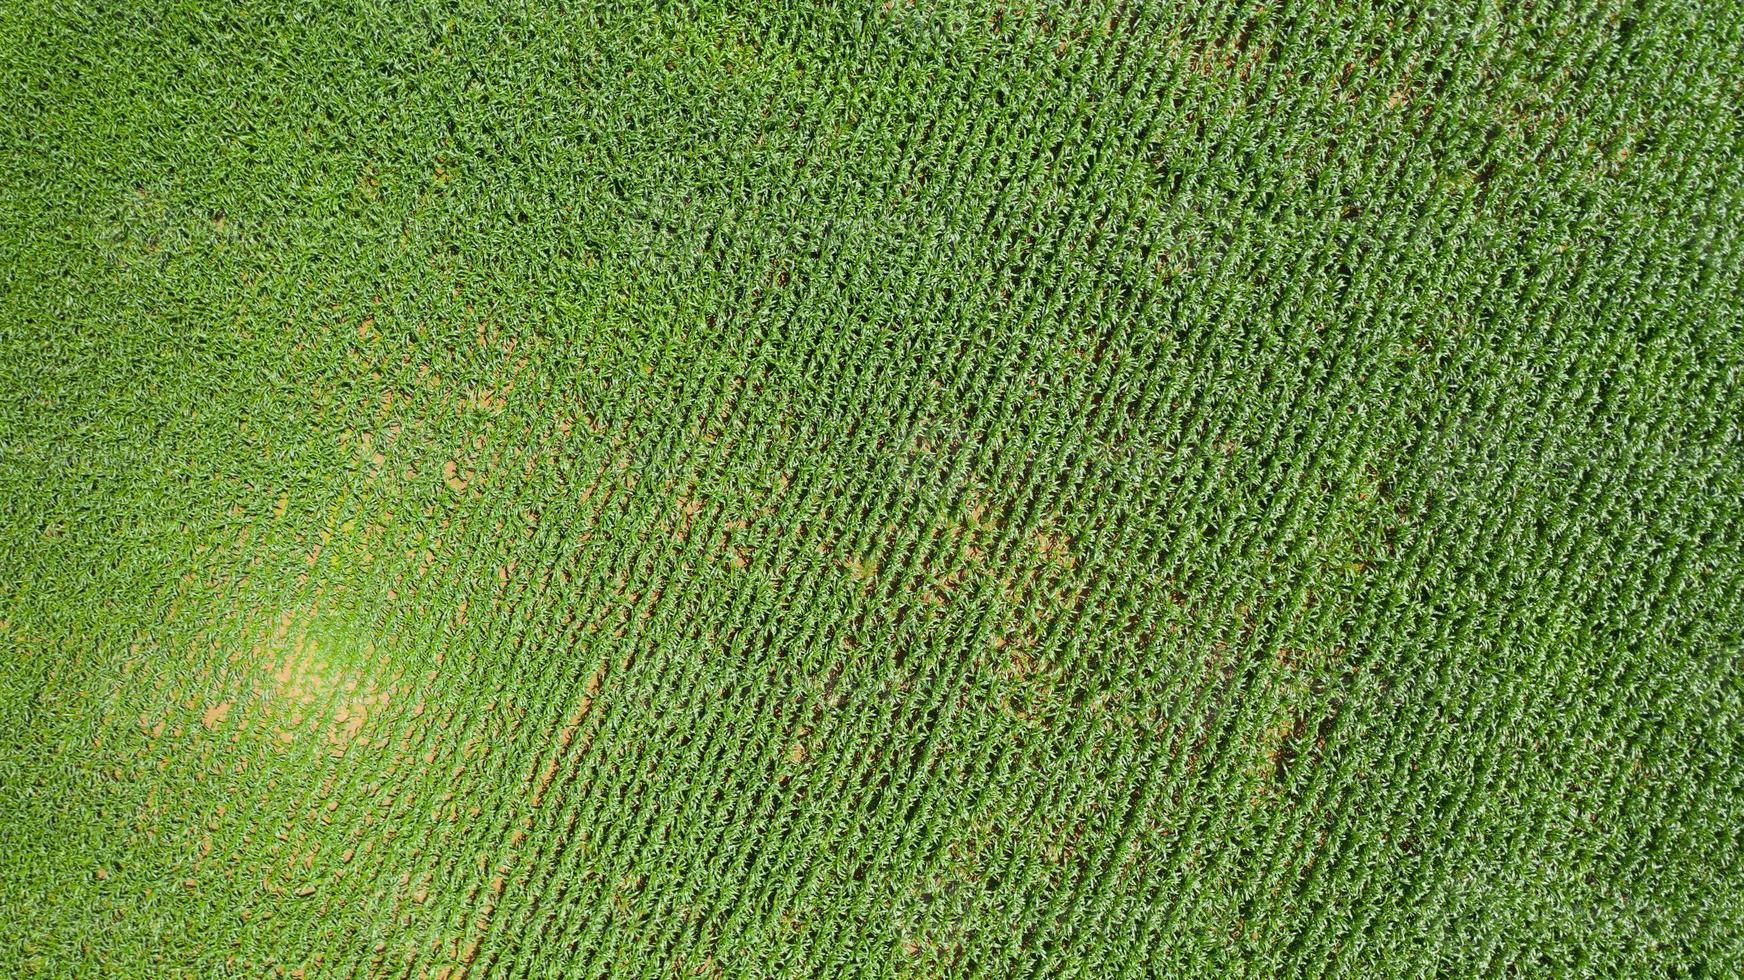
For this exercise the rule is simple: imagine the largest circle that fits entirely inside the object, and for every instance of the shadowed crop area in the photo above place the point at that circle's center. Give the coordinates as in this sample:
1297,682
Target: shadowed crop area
904,489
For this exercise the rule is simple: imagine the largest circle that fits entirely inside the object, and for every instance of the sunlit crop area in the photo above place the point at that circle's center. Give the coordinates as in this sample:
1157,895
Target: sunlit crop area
893,489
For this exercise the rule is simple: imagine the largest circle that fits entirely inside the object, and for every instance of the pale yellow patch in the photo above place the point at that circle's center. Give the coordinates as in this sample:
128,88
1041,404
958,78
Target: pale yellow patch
304,682
215,715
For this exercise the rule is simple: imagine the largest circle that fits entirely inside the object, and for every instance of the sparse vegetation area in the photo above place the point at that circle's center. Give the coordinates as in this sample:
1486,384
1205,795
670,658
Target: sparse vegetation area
893,489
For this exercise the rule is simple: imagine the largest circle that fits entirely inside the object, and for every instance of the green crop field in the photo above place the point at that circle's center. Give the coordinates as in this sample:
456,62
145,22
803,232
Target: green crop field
910,488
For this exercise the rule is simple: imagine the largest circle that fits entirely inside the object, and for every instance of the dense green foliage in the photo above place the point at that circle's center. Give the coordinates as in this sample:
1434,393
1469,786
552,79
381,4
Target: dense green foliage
896,489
